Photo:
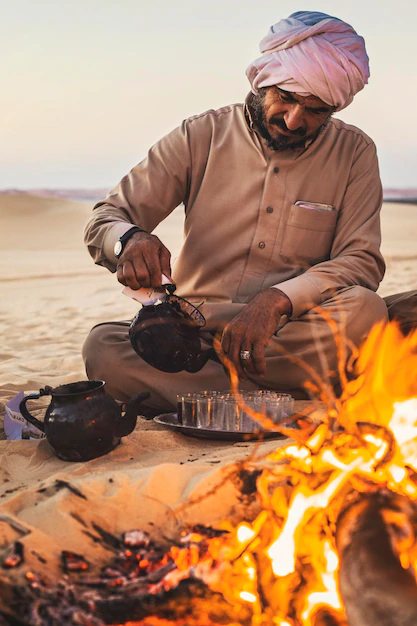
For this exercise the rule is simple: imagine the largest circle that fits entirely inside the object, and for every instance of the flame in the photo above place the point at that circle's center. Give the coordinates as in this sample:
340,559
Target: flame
285,563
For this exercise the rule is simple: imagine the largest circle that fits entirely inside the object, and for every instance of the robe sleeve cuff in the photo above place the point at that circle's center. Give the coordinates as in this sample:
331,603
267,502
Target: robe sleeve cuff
304,295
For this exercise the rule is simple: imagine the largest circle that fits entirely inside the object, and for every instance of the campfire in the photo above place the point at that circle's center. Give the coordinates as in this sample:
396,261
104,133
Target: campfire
333,541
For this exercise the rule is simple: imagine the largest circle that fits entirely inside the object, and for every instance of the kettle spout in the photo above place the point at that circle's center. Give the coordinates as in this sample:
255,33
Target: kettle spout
127,422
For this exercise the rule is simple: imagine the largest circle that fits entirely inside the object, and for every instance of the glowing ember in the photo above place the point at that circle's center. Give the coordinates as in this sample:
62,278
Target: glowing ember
244,533
15,556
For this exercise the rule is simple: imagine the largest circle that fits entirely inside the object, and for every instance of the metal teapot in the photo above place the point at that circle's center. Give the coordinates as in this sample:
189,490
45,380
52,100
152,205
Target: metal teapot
82,421
166,334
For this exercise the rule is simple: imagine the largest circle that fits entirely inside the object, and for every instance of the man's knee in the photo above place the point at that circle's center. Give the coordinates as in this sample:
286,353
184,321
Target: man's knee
92,350
402,307
364,308
99,352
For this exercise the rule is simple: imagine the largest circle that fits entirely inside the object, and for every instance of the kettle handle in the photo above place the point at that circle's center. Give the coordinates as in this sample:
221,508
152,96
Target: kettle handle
34,396
131,409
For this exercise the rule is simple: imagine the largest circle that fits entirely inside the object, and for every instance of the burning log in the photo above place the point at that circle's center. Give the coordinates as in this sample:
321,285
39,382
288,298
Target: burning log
375,588
324,617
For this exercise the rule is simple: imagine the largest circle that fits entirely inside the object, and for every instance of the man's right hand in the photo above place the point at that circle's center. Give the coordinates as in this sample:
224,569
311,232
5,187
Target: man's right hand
143,261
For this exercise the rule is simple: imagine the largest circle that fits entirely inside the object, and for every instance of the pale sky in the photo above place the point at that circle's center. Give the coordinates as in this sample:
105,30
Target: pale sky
87,86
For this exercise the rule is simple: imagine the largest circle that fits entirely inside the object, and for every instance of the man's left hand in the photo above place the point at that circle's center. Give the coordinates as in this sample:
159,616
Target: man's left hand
251,330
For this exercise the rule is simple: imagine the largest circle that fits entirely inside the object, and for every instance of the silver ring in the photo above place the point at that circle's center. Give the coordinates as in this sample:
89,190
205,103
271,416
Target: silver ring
245,354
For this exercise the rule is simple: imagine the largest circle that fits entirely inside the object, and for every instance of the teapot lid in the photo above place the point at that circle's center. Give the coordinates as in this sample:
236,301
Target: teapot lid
149,297
186,309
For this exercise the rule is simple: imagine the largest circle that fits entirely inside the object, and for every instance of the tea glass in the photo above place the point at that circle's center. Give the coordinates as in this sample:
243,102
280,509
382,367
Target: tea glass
221,410
188,409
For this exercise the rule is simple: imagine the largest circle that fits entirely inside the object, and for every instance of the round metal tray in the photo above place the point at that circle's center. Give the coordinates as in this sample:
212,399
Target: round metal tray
170,420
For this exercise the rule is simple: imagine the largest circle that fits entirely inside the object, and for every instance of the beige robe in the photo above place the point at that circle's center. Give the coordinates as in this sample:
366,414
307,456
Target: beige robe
245,232
243,229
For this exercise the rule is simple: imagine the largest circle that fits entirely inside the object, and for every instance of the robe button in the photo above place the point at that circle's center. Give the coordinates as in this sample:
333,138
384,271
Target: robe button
276,170
269,209
261,244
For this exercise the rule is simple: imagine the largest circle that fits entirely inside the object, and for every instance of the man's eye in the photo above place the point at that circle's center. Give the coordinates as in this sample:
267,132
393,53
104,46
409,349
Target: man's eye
318,111
285,97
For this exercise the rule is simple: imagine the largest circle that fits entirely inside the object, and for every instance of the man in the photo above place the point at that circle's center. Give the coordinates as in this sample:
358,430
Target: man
282,228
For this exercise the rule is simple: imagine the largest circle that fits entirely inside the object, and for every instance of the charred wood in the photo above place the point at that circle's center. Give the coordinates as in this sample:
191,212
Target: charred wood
8,620
189,601
129,587
375,588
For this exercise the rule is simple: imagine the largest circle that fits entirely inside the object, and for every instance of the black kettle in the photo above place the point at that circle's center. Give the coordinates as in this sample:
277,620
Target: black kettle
166,334
82,421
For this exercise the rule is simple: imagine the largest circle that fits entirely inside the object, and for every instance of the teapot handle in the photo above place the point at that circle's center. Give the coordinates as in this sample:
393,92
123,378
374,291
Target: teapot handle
34,396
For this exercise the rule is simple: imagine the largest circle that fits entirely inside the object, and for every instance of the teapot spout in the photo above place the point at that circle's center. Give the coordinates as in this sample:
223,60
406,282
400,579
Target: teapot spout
127,422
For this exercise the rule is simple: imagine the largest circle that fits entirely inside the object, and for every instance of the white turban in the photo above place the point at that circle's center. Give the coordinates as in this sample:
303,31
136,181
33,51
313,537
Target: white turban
312,53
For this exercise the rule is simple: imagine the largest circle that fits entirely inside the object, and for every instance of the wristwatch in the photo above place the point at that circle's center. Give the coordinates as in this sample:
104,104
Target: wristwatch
120,244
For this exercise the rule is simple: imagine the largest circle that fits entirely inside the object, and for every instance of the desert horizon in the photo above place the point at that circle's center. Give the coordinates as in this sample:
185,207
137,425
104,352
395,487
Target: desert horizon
390,194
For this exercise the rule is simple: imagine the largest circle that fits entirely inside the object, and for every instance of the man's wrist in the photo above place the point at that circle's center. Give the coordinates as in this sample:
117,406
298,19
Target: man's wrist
114,231
120,244
283,302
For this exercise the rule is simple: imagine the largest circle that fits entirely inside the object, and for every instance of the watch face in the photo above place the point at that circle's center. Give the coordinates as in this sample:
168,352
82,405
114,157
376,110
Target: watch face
118,247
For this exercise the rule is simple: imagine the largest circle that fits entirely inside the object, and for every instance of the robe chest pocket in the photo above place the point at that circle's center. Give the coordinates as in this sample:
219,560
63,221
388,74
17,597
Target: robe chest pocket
308,235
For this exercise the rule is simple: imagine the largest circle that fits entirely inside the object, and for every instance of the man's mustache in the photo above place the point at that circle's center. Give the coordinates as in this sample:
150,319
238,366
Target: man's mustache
277,121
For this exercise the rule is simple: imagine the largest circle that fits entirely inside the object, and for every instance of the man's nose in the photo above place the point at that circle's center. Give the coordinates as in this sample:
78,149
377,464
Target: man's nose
294,117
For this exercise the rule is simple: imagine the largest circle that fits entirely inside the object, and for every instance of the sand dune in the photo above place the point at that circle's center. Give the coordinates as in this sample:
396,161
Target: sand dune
399,246
51,293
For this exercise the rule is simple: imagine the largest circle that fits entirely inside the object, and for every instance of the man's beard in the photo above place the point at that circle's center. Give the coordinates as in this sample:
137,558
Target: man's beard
284,142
